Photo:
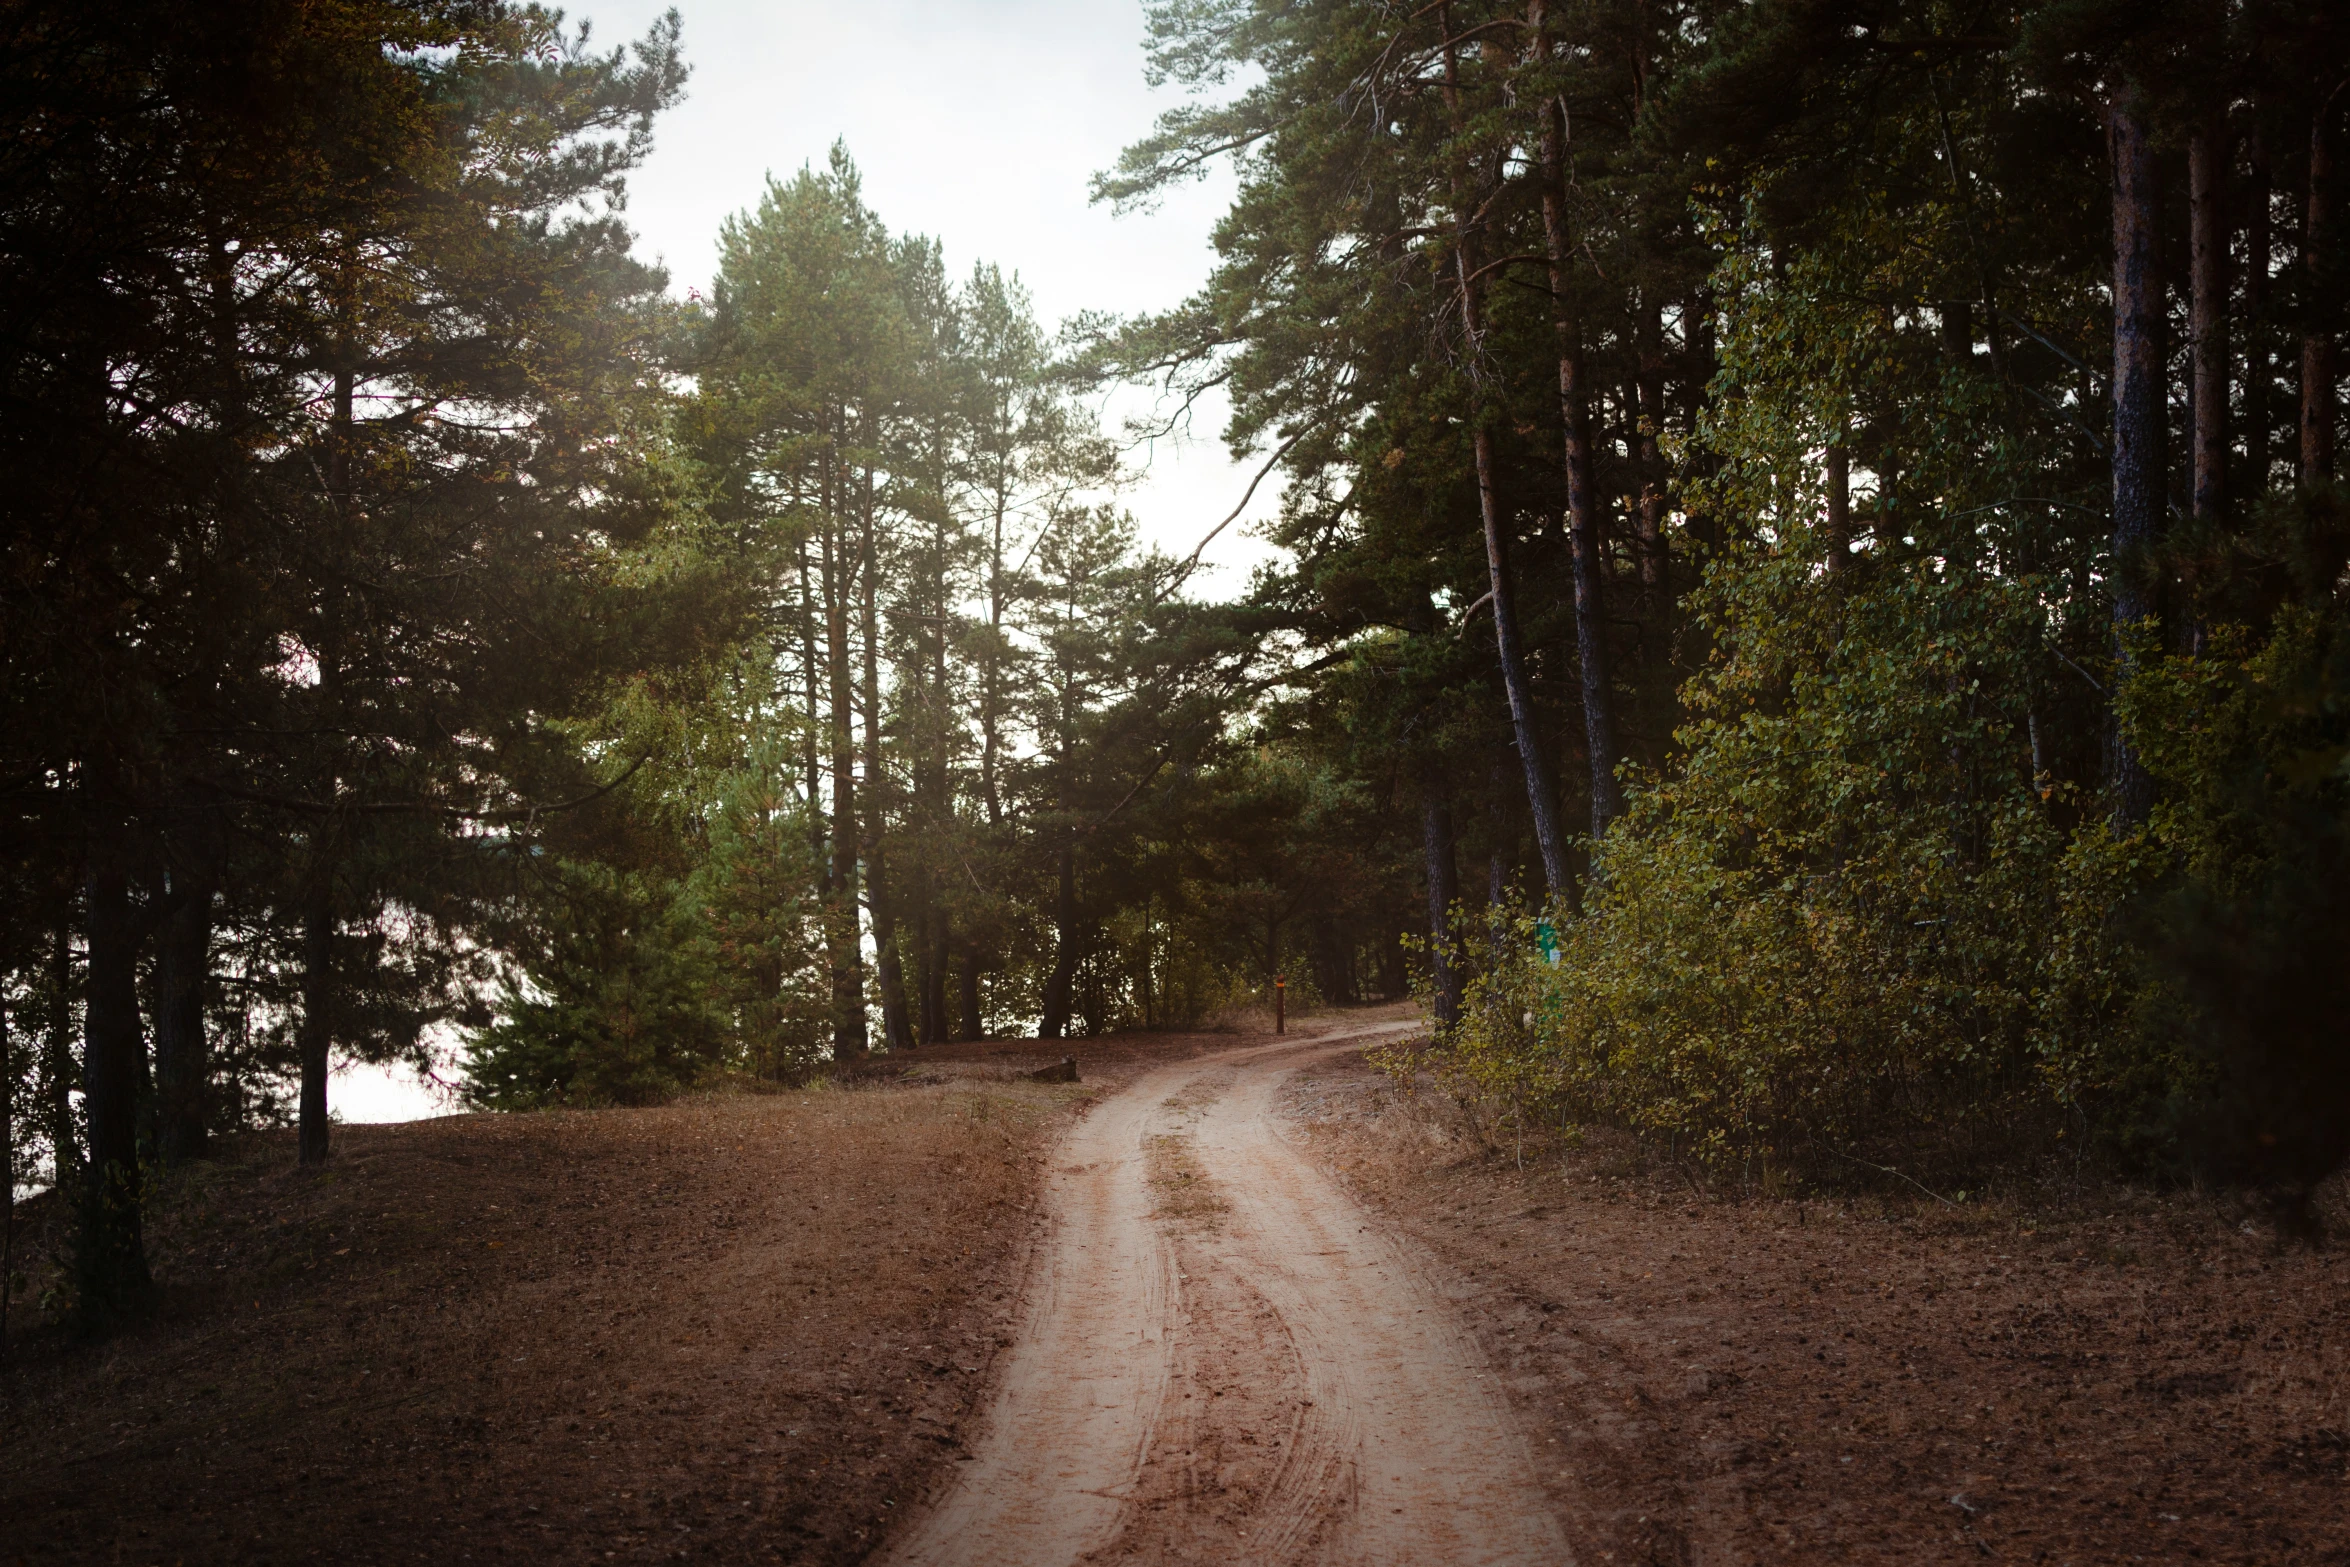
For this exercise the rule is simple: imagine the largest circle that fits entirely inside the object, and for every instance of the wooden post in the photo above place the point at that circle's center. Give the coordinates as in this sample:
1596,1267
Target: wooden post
1280,1005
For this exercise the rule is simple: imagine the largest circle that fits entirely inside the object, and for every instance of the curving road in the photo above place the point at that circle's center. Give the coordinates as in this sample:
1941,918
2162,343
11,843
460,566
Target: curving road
1222,1358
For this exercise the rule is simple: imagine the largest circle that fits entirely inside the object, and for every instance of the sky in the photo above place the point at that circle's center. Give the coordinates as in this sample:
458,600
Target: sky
979,122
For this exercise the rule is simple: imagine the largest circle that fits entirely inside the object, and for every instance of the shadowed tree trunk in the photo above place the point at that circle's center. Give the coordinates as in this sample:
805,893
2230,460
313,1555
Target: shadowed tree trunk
58,1070
974,1025
1057,985
2259,369
2317,345
1648,518
318,993
2208,155
111,1258
1583,521
1444,890
183,1053
841,929
1540,797
1839,464
888,961
2137,410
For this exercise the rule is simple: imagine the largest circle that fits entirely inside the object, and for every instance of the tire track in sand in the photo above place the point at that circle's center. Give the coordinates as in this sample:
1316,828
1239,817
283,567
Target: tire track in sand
1332,1409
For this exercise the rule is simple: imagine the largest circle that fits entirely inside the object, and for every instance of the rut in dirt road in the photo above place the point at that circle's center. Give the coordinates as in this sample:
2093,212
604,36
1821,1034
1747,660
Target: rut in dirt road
1221,1358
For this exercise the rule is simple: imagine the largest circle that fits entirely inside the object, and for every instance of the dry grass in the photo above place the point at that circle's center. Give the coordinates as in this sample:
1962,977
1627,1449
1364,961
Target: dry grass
2110,1376
742,1328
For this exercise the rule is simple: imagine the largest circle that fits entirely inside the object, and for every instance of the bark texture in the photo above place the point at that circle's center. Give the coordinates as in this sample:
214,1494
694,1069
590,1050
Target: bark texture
2137,409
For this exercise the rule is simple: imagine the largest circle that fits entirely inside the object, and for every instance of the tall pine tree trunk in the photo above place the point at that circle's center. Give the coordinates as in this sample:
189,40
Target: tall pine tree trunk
315,1040
1839,466
888,959
111,1258
2208,155
974,1023
1583,520
58,1069
1649,515
1444,890
183,1053
2259,368
2317,344
2137,410
1540,797
843,938
1057,985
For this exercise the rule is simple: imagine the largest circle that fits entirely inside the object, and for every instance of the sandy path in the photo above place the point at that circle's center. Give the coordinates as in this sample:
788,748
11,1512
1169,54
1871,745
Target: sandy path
1259,1375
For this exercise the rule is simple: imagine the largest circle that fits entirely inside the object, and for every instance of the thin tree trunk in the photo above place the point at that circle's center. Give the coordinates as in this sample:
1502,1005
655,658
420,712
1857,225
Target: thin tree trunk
1583,520
183,1053
1840,499
2137,411
2208,154
7,1179
844,937
1540,798
58,1070
889,966
1057,985
316,1037
2317,345
991,672
2259,368
811,761
974,1024
1444,890
1649,515
111,1260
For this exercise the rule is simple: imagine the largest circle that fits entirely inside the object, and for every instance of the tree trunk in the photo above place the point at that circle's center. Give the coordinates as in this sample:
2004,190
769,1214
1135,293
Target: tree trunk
2208,155
1649,517
888,961
931,927
1444,890
111,1260
1840,499
1540,798
315,1040
7,1179
1583,521
2259,369
843,937
2317,345
974,1024
183,1053
58,1069
2138,413
1056,987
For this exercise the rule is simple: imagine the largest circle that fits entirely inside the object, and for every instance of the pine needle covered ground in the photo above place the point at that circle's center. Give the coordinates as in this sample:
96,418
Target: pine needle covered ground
739,1328
2100,1375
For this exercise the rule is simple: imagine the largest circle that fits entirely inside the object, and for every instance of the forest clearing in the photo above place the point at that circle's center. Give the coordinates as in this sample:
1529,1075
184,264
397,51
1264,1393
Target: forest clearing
1729,618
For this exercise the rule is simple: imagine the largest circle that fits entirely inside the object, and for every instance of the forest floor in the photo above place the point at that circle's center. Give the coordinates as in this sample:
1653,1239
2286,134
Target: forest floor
790,1327
2097,1376
744,1327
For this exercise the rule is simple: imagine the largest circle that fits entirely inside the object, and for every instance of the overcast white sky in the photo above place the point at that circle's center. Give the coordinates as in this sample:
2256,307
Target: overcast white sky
977,121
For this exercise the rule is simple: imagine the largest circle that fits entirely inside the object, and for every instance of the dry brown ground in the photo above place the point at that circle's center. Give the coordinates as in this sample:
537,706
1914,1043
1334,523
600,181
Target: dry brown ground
741,1328
2111,1377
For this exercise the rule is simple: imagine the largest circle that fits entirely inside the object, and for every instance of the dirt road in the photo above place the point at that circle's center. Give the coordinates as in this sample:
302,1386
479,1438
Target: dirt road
1222,1359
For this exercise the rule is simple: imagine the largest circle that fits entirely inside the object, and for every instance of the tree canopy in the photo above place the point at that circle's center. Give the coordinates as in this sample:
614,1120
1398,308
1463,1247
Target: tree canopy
1808,613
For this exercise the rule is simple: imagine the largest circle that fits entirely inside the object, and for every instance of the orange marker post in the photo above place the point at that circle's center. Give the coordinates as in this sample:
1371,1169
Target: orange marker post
1280,1005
